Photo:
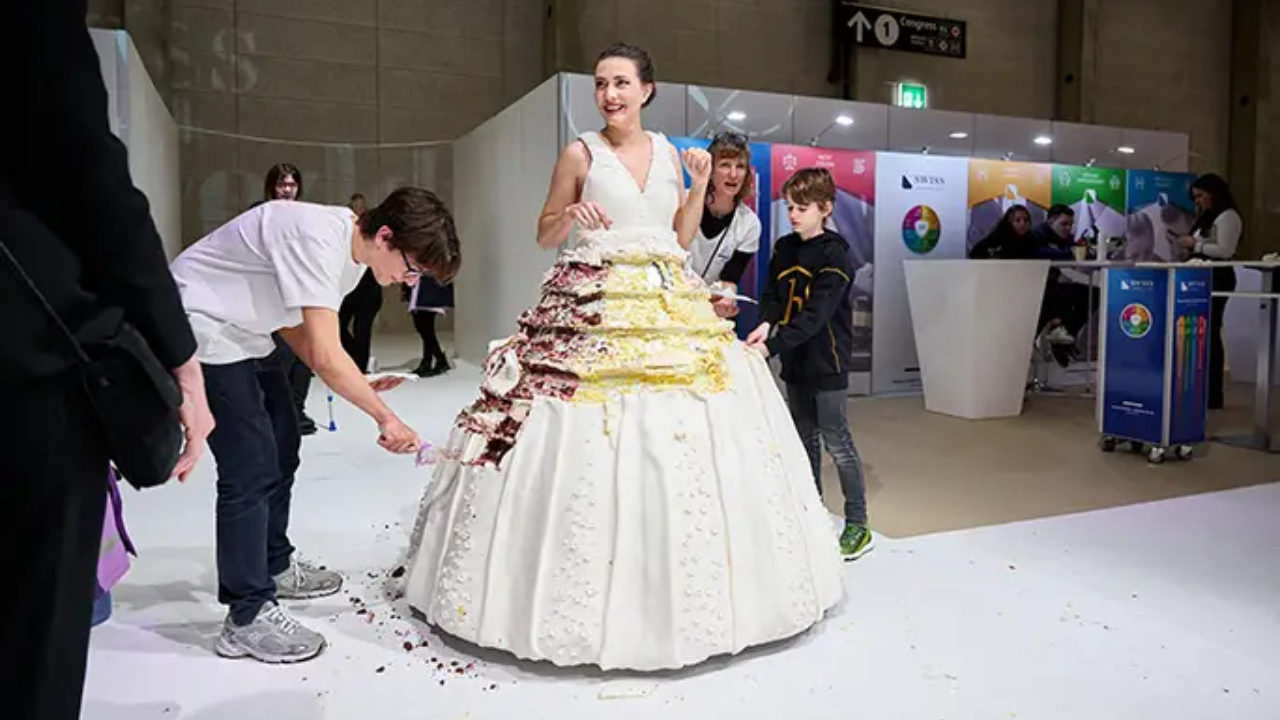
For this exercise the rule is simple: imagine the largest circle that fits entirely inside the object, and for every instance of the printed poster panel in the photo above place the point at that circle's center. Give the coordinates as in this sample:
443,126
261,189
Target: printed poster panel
1097,195
1133,383
1160,210
997,186
921,213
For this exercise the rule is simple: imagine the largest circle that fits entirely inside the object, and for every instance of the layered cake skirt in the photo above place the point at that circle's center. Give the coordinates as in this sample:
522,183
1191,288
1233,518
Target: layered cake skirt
629,490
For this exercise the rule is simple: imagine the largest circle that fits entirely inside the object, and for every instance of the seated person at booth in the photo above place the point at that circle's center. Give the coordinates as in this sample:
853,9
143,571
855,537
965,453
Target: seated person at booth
1069,299
1010,239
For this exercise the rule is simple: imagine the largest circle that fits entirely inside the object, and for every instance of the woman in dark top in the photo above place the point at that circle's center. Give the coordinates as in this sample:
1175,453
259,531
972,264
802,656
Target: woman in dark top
1010,239
1215,235
427,300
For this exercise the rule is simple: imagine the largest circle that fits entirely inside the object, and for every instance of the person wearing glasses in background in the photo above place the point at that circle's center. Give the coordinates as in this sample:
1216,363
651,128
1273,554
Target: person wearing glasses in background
728,235
284,182
284,267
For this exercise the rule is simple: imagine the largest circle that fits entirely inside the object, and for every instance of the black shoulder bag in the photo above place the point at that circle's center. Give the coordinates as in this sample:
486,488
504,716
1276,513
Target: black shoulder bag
134,396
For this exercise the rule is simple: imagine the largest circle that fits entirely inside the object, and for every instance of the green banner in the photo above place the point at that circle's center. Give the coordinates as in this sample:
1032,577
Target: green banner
1072,184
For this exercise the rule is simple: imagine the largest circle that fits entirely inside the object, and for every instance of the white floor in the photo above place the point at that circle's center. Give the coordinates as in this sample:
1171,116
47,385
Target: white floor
1166,611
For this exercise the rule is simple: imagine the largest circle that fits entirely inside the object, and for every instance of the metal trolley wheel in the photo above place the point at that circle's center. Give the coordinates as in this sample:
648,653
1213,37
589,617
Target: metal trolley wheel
1155,453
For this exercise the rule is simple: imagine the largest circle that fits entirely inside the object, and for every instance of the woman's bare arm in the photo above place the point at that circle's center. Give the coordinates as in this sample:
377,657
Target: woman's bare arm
566,186
689,212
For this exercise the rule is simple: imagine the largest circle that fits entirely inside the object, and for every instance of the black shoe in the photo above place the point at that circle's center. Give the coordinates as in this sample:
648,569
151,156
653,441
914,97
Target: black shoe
307,426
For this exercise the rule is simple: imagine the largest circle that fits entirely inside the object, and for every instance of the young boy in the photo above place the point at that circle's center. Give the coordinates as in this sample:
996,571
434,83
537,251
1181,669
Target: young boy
807,299
284,267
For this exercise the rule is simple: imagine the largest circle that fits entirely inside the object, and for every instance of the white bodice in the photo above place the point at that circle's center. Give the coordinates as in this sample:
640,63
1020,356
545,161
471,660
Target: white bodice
639,214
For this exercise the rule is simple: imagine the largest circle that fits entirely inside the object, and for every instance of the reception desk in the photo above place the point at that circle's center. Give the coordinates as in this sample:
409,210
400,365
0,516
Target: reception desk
975,326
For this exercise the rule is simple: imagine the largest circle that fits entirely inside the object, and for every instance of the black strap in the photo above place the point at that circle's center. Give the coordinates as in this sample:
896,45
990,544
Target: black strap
720,241
44,303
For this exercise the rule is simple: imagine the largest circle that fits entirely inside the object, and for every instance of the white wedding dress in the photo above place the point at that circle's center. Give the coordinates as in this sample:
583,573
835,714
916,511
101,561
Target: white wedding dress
629,491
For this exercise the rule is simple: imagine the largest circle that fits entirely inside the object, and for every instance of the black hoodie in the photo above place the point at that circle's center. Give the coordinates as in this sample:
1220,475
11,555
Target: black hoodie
807,300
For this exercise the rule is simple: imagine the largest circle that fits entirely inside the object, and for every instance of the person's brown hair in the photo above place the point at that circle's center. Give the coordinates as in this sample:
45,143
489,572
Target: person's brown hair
421,227
734,146
811,186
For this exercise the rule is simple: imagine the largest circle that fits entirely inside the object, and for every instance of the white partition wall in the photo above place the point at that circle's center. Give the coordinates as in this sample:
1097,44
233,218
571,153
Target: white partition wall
138,116
500,175
1242,328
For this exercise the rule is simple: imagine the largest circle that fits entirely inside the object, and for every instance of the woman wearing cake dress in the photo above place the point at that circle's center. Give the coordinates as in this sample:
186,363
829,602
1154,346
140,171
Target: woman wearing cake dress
628,491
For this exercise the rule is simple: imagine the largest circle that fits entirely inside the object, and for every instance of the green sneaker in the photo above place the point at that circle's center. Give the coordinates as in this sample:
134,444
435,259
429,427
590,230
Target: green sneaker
855,541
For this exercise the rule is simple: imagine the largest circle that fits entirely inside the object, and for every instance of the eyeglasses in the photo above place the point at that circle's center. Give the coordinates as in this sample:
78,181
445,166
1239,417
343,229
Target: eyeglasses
412,273
729,137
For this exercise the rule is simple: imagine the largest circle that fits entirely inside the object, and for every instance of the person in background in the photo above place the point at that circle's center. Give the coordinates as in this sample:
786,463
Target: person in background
73,222
1010,239
1215,235
807,299
360,309
284,182
284,268
1068,298
728,235
427,300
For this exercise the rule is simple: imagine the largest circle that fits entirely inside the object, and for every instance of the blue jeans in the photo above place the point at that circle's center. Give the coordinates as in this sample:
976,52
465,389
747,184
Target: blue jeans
821,417
255,446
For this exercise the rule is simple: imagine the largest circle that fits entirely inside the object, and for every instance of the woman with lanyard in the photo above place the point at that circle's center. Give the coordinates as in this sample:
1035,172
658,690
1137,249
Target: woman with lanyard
1215,236
729,234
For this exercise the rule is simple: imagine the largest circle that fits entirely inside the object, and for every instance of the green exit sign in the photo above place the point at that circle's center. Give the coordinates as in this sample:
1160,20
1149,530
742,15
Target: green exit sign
912,95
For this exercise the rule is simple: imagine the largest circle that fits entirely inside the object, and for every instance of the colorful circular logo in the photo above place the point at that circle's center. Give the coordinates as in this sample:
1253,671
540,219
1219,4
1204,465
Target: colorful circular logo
921,229
1135,320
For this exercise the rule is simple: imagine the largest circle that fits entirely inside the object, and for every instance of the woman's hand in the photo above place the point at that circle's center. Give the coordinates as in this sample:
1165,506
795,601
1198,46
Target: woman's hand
589,215
697,162
1186,241
725,307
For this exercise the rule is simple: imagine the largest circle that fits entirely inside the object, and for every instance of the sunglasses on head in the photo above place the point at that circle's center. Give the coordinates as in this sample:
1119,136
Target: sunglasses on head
729,137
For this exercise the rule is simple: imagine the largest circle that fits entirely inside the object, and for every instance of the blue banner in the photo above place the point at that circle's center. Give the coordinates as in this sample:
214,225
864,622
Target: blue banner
756,275
1134,376
1190,370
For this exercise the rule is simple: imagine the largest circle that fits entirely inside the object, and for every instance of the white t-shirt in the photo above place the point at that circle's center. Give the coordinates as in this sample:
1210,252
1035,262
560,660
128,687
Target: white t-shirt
255,274
742,235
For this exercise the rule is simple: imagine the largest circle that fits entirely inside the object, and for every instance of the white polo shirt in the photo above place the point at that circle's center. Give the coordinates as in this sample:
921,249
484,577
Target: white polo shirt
255,274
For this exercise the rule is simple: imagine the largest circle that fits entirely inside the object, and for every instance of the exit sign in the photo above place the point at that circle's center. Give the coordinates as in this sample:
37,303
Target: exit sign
912,95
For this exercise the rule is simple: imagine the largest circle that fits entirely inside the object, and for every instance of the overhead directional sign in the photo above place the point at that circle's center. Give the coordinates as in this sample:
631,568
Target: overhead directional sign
896,30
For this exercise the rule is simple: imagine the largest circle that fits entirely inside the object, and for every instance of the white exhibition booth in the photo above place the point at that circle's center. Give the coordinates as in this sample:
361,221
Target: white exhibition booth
921,183
138,116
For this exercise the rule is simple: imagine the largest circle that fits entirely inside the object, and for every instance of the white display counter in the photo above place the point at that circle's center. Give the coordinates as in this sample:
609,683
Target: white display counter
975,325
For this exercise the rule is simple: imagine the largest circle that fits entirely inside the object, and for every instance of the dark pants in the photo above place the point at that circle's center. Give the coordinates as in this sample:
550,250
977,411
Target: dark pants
1069,303
359,309
821,417
424,321
255,446
1224,280
53,490
298,373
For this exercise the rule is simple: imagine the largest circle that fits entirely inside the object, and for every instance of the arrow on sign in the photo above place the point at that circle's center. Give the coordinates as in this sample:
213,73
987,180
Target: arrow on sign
860,24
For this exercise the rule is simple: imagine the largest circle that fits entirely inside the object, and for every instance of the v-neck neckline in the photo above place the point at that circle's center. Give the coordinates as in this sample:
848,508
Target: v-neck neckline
641,187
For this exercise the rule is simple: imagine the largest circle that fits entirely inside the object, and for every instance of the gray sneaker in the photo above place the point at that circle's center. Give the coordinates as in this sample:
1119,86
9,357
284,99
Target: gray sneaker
304,581
273,637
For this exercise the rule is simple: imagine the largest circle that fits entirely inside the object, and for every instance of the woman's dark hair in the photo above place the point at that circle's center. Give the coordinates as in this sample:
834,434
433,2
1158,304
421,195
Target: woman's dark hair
421,227
643,63
1220,199
278,173
1004,228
